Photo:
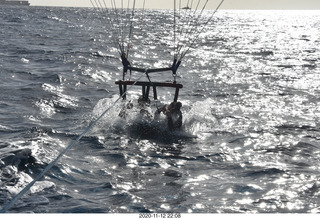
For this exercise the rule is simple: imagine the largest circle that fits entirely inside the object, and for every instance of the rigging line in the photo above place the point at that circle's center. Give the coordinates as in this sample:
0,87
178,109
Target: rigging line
50,165
100,5
126,20
179,8
128,6
105,11
190,11
102,18
96,4
193,24
187,19
128,10
102,9
185,16
188,3
131,28
105,4
109,19
174,28
131,24
177,43
99,11
200,31
98,8
112,1
117,29
92,4
122,26
141,22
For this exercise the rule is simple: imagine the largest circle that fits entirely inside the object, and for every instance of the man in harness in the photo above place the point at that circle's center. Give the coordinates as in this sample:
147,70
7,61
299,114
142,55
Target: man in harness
173,114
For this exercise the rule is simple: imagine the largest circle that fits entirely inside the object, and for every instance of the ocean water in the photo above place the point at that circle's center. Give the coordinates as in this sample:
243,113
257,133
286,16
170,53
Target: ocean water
250,140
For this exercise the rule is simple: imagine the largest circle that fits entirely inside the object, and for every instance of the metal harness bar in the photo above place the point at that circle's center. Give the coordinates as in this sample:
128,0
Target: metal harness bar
146,88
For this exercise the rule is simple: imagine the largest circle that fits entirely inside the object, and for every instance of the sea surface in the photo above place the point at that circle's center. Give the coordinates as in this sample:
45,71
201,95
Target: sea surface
250,140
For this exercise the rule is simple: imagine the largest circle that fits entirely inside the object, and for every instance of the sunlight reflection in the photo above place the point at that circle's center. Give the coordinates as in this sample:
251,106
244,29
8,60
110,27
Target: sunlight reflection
199,178
245,201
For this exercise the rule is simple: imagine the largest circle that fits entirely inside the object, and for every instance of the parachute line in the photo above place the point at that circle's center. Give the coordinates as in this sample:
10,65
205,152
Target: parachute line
124,22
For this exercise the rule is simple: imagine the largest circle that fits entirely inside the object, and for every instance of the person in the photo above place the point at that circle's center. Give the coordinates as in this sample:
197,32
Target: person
123,112
144,105
126,65
173,114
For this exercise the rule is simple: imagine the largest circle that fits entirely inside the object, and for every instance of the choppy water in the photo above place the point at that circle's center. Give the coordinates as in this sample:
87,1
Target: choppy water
250,96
